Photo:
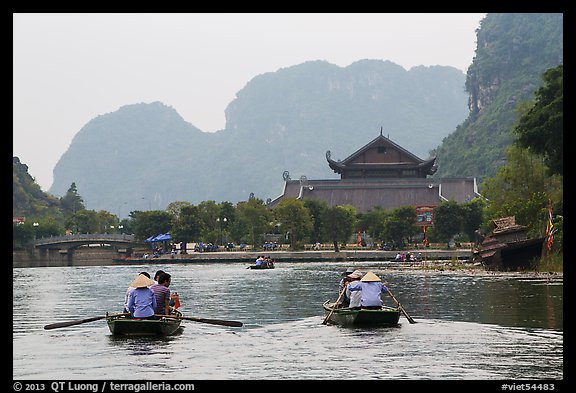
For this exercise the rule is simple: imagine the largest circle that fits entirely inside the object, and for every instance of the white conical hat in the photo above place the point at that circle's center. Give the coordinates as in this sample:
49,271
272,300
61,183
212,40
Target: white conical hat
141,282
368,277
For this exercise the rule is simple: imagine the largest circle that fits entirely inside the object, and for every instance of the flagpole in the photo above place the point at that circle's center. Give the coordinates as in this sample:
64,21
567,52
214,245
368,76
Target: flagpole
549,235
425,248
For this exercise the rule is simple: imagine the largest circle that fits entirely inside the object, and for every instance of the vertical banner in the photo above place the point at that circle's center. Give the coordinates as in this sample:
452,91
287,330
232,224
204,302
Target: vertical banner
549,229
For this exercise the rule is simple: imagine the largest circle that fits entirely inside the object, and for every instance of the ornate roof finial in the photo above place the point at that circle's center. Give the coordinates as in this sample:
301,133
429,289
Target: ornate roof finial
380,130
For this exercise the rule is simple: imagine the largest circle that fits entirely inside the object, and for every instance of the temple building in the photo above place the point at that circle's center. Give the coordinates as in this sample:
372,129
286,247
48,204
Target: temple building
384,174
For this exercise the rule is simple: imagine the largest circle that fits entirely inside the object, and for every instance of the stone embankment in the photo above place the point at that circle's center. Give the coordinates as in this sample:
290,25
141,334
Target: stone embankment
103,257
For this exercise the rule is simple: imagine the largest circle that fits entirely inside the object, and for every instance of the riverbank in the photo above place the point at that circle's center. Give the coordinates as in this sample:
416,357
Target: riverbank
455,261
107,256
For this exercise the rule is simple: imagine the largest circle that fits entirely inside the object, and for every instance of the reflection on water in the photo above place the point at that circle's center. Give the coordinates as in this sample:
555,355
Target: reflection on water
468,326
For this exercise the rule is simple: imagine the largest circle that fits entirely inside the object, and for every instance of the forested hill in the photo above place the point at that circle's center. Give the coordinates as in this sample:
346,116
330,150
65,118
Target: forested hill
513,51
28,199
146,155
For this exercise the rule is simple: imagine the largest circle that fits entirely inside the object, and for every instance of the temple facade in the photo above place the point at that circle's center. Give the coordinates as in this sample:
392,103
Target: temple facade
383,174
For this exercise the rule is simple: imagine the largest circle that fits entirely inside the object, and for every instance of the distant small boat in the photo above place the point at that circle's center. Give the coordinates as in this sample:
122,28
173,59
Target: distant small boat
124,325
387,316
266,265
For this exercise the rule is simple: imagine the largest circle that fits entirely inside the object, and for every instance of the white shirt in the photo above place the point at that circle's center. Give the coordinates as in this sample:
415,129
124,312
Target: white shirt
354,292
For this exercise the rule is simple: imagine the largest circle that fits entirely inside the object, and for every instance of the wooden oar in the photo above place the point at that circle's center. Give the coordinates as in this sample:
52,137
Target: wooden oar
408,317
78,321
334,307
205,320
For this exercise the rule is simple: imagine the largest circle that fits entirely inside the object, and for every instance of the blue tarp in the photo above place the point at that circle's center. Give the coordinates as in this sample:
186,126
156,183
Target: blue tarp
149,239
162,237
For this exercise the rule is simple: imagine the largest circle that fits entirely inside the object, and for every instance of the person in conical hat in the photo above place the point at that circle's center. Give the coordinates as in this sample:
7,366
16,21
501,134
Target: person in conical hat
372,287
130,289
141,301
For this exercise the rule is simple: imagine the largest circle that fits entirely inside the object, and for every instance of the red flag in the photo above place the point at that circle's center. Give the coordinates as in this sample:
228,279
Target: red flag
549,228
425,237
359,241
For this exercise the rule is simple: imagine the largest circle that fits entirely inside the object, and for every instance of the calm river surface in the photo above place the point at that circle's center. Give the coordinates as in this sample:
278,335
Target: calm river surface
468,326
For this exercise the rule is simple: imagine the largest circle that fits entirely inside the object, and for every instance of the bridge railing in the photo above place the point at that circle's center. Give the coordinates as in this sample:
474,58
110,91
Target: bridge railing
97,237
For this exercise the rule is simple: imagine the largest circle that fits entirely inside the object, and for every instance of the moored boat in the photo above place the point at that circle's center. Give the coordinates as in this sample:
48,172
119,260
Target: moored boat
508,246
387,316
124,325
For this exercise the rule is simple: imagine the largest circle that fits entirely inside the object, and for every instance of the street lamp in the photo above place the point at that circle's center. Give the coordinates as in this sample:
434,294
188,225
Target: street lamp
35,225
224,220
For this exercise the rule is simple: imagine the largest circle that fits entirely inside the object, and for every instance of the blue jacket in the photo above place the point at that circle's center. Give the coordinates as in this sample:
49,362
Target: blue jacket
142,302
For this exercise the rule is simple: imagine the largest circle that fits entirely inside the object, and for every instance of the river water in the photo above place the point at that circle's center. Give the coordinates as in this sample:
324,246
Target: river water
469,326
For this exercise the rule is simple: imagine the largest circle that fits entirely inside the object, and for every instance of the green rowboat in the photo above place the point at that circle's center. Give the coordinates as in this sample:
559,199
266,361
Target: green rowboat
387,316
123,325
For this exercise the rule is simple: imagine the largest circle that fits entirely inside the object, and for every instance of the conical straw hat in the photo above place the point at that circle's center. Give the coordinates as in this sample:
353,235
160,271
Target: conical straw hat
370,277
141,282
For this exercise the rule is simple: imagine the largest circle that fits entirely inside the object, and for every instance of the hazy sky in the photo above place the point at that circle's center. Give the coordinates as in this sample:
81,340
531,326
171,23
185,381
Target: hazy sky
70,68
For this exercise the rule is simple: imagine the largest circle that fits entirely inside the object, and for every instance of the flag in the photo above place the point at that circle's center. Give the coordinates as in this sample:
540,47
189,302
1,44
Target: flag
549,228
425,237
359,241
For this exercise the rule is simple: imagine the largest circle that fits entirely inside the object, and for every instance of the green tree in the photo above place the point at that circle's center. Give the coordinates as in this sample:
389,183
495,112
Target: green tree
255,218
72,202
174,208
150,223
84,221
400,225
187,225
338,223
209,212
316,207
293,216
372,221
521,188
541,127
472,217
448,220
227,221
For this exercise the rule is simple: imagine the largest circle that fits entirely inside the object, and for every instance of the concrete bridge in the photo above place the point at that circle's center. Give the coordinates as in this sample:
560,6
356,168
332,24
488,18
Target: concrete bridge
69,242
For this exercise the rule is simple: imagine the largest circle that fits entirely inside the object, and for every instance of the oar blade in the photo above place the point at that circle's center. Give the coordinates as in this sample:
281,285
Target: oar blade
205,320
219,322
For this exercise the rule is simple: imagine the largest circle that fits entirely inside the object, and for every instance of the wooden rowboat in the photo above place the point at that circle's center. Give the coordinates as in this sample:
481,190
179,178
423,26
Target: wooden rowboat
263,266
124,325
387,316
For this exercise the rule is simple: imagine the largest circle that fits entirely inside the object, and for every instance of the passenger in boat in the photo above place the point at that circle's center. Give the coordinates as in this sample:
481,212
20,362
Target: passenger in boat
354,290
260,260
141,301
162,294
344,300
157,275
130,288
372,287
